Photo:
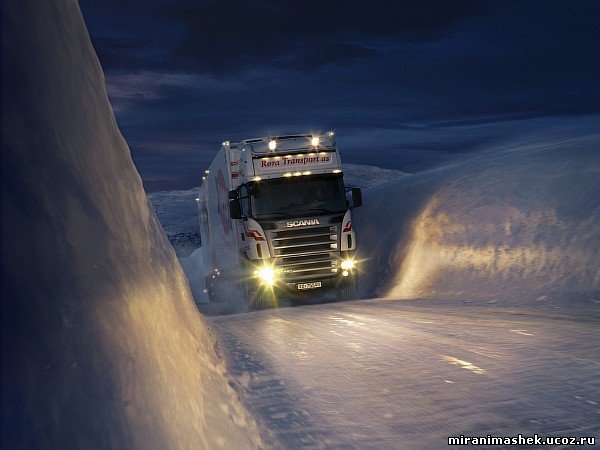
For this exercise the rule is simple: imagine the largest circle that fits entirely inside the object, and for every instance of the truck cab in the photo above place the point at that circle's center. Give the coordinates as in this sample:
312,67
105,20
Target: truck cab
288,206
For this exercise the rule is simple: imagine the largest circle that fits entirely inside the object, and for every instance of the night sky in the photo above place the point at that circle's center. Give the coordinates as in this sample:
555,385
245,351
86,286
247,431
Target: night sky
406,85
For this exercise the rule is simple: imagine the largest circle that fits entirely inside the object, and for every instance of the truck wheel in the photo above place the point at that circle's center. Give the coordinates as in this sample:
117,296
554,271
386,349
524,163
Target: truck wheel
346,292
210,289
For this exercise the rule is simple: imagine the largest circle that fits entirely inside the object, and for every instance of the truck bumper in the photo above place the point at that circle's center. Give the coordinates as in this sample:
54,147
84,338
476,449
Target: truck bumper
325,284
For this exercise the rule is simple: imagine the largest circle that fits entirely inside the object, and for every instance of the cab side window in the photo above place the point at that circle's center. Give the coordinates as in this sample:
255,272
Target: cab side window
245,200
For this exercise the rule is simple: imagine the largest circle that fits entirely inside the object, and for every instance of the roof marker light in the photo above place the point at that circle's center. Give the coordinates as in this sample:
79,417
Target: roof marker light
314,141
307,172
289,174
297,174
337,170
257,178
225,142
330,134
272,144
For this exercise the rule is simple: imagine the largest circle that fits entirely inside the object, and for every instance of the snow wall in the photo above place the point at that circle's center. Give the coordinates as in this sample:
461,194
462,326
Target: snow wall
516,223
102,346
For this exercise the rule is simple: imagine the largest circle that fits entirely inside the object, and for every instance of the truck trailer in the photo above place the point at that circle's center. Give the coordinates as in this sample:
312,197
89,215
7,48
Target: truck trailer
276,222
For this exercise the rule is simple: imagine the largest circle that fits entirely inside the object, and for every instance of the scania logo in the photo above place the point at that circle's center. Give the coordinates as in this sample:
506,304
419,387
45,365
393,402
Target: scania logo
302,223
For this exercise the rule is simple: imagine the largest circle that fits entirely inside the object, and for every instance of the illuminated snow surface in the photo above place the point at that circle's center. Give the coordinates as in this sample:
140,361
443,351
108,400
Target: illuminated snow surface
517,223
392,374
102,346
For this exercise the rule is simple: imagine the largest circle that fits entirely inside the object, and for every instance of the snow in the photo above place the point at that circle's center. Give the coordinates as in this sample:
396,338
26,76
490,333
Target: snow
177,212
518,223
362,176
390,374
193,266
102,345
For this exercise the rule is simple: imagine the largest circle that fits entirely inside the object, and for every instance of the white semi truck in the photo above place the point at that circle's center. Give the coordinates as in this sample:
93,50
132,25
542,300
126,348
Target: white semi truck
275,221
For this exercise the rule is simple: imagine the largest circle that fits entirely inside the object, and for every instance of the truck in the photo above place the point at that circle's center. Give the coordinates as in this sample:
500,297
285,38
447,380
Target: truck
276,221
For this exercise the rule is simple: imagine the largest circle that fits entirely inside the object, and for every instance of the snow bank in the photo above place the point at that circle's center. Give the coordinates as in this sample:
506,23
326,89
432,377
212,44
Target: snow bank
514,223
358,175
102,346
193,266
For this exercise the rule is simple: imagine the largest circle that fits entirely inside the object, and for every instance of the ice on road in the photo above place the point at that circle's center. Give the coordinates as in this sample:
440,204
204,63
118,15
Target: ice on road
396,374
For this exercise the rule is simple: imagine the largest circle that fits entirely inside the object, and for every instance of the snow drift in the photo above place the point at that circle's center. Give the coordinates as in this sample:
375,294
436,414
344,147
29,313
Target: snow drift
193,267
514,223
102,346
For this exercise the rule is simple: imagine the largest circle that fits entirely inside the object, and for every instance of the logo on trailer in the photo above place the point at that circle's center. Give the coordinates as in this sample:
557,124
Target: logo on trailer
302,223
223,200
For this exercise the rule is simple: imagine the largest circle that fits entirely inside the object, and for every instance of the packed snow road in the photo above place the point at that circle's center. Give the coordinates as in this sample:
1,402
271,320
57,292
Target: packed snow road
397,374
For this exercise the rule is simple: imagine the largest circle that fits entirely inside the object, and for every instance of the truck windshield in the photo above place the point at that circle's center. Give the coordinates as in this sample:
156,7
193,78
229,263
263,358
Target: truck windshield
298,196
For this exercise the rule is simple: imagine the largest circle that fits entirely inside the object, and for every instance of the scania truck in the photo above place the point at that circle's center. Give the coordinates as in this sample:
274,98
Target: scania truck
276,222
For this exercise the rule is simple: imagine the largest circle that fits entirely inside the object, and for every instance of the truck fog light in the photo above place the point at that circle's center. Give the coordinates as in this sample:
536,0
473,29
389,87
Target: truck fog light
347,264
266,275
345,273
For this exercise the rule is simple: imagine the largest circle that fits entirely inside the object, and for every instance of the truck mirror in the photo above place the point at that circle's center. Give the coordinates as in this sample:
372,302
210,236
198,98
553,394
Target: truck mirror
235,209
356,197
233,195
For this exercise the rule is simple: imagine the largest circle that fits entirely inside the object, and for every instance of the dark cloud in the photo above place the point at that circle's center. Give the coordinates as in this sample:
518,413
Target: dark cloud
225,36
422,79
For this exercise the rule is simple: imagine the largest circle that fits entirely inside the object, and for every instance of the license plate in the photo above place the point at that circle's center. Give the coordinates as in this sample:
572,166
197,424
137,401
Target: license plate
313,285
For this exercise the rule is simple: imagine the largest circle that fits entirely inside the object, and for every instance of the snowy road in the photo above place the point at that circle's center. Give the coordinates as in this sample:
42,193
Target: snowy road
396,374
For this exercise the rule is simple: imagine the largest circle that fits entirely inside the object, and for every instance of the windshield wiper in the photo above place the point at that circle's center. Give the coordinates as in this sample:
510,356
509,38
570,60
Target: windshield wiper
322,210
270,216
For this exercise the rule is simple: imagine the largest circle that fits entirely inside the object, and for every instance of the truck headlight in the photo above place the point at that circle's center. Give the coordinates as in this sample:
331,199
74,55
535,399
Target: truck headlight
348,264
266,275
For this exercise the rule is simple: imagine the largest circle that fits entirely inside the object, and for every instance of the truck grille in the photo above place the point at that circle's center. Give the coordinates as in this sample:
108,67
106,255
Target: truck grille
306,253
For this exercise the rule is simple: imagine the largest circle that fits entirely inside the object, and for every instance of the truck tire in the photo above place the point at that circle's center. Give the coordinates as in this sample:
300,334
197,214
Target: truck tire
346,291
211,289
